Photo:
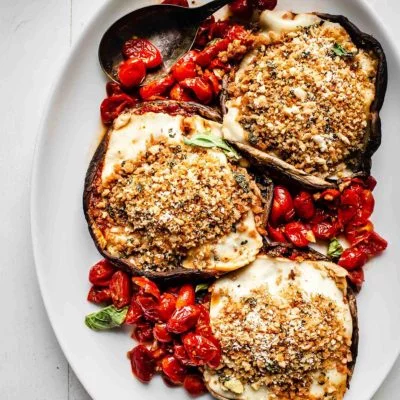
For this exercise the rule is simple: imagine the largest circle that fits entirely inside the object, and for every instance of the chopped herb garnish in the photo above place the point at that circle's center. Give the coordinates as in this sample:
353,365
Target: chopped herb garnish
338,50
335,249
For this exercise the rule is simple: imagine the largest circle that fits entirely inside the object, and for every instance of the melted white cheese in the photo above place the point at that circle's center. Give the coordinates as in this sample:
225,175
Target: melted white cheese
272,274
279,21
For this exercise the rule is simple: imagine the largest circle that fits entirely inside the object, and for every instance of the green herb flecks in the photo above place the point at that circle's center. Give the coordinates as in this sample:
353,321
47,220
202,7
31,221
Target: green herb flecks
208,140
335,249
338,50
242,182
107,318
201,287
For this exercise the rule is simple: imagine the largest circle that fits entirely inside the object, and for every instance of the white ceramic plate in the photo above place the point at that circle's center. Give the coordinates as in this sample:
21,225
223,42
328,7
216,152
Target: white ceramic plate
64,250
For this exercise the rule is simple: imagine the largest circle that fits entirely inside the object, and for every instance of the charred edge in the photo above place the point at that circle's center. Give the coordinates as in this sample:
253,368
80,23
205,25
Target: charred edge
351,296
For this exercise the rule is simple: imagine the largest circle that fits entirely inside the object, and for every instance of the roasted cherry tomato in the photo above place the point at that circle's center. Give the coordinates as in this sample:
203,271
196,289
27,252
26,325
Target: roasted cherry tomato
131,72
149,306
353,258
161,334
358,233
205,57
194,384
265,4
99,295
215,82
147,286
186,296
204,32
297,233
330,195
181,3
357,277
173,369
216,360
201,88
181,355
304,205
200,350
219,29
185,67
241,8
156,88
143,50
183,319
282,206
143,332
113,88
180,94
203,323
142,363
120,288
366,208
325,230
134,314
101,272
167,306
373,245
113,106
276,234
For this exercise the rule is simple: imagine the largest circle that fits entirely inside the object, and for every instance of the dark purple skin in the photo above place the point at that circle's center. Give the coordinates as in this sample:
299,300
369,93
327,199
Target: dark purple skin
361,163
178,274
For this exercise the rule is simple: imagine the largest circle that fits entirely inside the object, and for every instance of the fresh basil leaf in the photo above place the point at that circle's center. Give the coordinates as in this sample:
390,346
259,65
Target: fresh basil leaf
335,249
341,52
201,287
209,140
107,318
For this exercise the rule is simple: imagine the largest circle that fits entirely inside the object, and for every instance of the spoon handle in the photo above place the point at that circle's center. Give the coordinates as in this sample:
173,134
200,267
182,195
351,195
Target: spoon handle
203,12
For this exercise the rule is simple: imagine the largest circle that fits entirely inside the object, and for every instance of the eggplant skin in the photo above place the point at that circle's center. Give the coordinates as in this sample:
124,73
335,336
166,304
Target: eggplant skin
95,168
279,169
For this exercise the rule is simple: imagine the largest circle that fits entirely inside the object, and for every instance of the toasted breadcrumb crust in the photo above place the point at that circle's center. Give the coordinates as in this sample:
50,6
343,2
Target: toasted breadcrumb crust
171,199
304,103
283,343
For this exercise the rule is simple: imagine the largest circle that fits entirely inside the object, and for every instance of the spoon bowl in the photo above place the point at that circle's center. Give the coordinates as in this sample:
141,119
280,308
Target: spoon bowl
172,29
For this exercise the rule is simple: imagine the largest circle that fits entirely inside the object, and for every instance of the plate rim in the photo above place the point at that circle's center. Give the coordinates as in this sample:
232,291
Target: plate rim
64,65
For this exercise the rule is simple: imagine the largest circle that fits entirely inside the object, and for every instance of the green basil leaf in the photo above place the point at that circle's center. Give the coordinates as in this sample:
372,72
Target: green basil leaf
209,140
107,318
341,52
201,287
335,249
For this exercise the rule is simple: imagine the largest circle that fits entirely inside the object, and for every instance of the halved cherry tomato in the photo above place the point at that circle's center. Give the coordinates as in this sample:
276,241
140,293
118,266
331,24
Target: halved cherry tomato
325,230
201,88
276,234
218,64
265,4
131,72
161,334
357,277
211,51
99,295
143,332
203,323
357,233
142,363
353,258
296,233
156,88
134,314
143,50
185,67
366,208
101,273
282,206
180,94
241,8
304,206
149,307
181,3
120,288
181,355
216,360
219,29
373,245
113,106
330,195
147,286
203,33
167,306
173,369
200,350
215,82
186,296
194,384
183,319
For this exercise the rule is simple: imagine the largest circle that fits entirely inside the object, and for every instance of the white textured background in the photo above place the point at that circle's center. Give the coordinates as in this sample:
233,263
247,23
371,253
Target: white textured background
35,37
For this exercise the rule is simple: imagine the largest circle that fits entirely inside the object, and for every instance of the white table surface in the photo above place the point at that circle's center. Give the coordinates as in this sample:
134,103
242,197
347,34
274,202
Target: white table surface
35,37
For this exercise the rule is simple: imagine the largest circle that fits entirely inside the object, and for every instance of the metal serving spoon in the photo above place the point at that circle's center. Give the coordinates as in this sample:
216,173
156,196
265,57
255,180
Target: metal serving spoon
172,29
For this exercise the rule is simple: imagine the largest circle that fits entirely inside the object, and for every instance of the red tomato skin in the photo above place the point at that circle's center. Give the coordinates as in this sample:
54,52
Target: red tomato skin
241,8
282,206
101,273
296,233
183,319
178,93
173,370
161,334
120,288
201,88
200,350
142,363
194,385
276,234
156,88
134,313
373,245
113,88
143,332
131,72
147,286
204,32
205,57
113,106
181,355
203,323
185,67
356,277
304,206
358,233
186,296
99,295
149,306
352,258
167,306
143,50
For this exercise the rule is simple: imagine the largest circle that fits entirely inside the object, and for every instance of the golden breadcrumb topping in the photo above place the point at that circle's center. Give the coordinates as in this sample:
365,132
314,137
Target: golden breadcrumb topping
171,199
306,97
285,342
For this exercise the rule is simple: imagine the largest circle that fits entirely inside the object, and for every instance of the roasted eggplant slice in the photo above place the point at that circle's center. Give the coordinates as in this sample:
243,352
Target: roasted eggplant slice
305,101
286,326
166,197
